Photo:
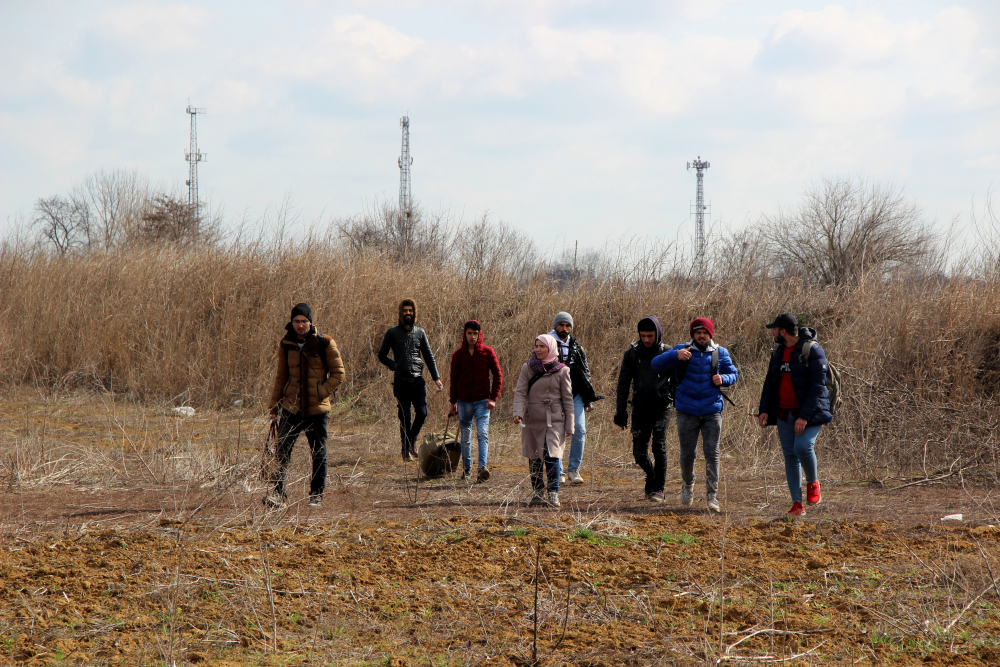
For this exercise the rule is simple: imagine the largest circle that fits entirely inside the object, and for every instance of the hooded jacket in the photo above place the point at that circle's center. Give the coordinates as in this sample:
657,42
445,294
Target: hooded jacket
696,393
476,376
808,380
301,380
407,346
650,389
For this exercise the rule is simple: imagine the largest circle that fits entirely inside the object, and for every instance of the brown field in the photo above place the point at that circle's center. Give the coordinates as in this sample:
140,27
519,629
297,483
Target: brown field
132,536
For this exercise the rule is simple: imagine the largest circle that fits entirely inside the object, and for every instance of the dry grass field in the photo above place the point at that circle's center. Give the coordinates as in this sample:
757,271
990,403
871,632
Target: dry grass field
132,535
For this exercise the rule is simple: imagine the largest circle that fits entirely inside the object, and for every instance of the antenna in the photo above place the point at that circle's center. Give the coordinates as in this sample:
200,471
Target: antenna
699,210
404,169
194,157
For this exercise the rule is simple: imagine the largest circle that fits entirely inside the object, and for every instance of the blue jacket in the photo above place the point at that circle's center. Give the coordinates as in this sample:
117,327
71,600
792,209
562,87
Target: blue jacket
808,380
696,395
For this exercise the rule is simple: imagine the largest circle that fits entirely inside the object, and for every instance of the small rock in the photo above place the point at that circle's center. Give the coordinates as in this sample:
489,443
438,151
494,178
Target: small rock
184,411
952,517
238,403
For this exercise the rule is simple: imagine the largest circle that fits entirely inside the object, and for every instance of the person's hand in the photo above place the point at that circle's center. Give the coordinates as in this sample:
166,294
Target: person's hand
717,380
762,420
683,355
517,419
272,418
622,426
439,385
453,410
569,435
800,426
490,404
589,407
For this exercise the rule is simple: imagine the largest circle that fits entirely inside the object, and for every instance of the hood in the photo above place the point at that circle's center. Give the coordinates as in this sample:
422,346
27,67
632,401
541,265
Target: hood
479,341
807,333
408,302
651,319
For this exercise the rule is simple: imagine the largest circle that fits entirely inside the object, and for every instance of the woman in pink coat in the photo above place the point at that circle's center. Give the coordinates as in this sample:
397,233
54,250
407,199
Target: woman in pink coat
543,406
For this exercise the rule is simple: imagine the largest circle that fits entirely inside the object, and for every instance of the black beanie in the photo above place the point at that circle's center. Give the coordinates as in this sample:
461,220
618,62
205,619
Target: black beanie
302,309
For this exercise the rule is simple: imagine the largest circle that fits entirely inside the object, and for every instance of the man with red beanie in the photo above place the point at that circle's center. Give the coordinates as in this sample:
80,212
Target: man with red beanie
702,369
474,394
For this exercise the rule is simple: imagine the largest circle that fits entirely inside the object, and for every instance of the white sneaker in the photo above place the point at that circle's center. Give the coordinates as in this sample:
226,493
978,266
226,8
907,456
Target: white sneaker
554,499
687,492
574,478
713,504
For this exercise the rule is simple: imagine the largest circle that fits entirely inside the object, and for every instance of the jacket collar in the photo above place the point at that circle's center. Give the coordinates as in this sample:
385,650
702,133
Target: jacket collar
708,348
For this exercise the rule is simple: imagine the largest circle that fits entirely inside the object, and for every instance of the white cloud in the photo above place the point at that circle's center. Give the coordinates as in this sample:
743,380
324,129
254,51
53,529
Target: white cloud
148,26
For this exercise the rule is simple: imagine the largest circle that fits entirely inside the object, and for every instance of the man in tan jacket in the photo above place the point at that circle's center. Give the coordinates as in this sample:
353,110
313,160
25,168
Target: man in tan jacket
309,370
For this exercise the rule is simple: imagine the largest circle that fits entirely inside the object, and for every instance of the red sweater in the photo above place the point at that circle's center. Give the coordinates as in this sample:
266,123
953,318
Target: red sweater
470,373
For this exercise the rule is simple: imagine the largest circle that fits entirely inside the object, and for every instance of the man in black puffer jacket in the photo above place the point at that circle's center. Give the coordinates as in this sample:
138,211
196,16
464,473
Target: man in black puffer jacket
651,404
408,344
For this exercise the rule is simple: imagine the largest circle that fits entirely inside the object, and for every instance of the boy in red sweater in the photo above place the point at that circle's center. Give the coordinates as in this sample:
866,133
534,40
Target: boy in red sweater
474,394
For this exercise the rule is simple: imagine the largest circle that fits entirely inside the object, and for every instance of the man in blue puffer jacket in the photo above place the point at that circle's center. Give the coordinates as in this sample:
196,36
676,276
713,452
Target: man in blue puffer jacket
699,403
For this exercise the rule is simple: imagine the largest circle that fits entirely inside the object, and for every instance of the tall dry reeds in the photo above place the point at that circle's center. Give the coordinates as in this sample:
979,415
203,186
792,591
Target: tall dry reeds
200,325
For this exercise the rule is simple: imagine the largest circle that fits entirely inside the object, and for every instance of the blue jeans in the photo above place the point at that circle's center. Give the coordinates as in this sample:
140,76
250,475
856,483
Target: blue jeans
798,451
545,472
579,435
466,413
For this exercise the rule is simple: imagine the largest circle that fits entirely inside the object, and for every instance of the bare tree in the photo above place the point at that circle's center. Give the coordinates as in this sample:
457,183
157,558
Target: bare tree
117,200
169,219
846,229
486,248
64,222
384,229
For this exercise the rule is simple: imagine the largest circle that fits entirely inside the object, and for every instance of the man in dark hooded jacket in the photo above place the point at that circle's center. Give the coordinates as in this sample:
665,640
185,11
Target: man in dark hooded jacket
651,404
408,343
475,387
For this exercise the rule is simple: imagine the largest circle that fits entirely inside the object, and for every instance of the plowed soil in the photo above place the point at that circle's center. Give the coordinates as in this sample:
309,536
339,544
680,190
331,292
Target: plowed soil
122,552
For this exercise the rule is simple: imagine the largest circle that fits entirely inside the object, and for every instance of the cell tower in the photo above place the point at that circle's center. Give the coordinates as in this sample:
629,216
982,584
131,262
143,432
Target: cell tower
404,169
194,157
699,212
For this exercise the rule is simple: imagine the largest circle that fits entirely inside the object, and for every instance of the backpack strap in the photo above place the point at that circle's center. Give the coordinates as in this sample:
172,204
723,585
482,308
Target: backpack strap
806,349
534,378
715,371
324,345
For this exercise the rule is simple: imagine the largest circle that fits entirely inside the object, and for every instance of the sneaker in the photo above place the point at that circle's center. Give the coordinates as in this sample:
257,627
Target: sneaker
483,475
656,497
274,500
315,500
713,504
687,493
554,499
407,457
466,473
812,493
562,478
797,509
574,478
536,499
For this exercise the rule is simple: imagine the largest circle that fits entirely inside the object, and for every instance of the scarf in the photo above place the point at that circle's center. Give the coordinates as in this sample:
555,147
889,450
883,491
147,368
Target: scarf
551,363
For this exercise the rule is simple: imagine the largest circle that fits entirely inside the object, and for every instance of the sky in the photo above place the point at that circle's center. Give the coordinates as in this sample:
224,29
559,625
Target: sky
570,119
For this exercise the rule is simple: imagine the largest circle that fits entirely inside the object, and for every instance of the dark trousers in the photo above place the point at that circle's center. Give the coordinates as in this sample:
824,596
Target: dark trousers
410,394
289,427
545,472
646,424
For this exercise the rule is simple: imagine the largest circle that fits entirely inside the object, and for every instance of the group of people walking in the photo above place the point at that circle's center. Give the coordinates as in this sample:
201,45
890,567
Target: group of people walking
553,395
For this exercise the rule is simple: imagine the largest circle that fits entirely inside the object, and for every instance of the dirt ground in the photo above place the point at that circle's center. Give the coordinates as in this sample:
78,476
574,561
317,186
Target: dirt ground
139,538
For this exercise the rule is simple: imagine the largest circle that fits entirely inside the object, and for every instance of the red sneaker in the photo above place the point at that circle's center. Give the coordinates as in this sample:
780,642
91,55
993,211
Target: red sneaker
812,493
797,509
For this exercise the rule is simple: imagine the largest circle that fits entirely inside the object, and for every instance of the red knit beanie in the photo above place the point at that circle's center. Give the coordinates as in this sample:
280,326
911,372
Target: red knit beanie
703,323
